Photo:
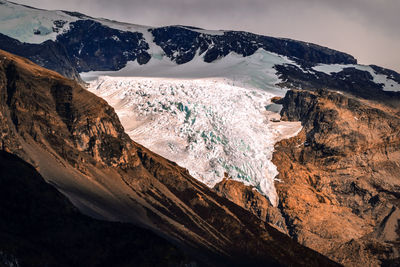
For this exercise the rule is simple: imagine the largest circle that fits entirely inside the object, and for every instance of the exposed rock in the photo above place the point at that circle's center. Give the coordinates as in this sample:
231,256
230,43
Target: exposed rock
182,43
77,143
340,176
48,54
93,46
350,80
252,200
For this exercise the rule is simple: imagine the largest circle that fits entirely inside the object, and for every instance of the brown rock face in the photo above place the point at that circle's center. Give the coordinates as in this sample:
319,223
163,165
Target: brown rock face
340,177
76,142
252,200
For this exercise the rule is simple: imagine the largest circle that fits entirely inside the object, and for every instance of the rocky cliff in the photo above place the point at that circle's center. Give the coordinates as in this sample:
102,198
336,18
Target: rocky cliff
250,199
340,182
78,145
339,178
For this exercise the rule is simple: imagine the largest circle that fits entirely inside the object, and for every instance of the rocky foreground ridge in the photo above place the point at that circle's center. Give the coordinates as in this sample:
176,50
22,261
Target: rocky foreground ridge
40,227
78,145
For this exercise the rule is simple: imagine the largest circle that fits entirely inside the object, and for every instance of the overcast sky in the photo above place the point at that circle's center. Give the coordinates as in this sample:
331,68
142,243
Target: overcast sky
367,29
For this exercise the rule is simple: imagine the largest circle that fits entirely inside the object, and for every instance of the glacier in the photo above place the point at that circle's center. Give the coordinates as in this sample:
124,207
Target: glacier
210,118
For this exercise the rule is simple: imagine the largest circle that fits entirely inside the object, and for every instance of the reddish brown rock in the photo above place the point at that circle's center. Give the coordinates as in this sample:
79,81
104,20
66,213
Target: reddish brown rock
341,177
252,200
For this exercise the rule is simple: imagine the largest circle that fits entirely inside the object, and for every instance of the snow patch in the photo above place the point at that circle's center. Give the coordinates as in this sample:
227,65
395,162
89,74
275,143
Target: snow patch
32,25
208,32
115,38
387,83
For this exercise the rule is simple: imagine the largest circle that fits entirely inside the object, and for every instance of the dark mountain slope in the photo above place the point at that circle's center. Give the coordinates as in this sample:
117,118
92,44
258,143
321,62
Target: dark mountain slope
77,143
350,80
40,227
49,54
187,42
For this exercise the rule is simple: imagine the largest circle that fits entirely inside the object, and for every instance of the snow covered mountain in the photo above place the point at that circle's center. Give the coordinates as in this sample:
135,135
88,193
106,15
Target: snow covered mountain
205,100
210,107
70,42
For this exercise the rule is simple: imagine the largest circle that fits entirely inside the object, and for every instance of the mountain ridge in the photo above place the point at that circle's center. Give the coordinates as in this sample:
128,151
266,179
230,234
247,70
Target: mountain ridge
115,45
108,176
212,45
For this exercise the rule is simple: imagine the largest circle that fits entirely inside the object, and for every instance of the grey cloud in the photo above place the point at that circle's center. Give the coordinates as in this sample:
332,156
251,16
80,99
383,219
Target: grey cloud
367,29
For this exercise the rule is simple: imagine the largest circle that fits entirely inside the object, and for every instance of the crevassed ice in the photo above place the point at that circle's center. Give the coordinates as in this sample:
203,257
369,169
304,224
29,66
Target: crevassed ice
209,126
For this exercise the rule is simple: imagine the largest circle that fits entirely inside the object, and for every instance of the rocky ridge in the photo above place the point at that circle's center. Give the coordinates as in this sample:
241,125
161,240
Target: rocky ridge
99,44
340,182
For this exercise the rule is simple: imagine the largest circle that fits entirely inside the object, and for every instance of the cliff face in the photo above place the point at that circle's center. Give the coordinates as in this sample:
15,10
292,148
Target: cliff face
77,143
341,177
252,200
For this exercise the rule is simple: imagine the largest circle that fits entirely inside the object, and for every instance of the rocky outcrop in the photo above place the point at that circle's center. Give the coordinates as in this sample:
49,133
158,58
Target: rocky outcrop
250,199
77,143
182,43
351,80
40,227
94,46
48,54
340,177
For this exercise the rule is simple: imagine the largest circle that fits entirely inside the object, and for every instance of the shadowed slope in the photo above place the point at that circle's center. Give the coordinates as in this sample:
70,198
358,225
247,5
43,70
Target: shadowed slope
40,227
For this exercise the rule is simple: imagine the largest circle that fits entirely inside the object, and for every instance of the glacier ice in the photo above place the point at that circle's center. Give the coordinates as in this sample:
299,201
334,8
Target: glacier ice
211,118
209,126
